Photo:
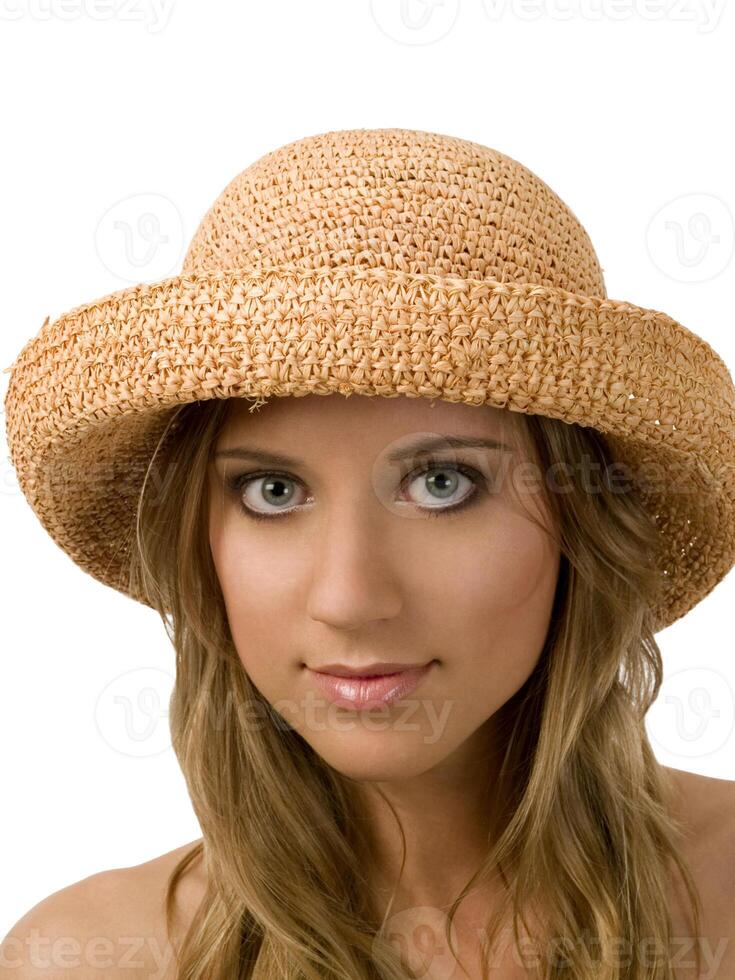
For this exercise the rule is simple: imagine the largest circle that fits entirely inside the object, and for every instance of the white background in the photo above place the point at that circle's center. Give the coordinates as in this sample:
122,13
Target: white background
113,109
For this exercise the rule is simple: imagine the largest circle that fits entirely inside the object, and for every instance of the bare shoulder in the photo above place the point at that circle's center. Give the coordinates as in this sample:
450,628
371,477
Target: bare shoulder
109,925
706,806
695,780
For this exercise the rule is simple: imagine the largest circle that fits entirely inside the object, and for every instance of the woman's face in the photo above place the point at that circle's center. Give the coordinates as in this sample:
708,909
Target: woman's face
329,558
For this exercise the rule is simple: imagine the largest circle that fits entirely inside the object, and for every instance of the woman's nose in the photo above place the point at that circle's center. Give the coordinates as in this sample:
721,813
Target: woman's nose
354,572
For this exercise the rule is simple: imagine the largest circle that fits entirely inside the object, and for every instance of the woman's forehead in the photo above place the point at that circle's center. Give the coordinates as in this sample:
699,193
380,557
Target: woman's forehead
336,417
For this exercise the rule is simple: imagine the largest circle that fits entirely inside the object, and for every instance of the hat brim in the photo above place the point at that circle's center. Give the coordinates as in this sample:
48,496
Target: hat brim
91,394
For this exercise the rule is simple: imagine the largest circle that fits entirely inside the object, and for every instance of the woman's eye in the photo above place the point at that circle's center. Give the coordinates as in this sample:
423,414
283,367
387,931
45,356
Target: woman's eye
435,489
439,484
269,489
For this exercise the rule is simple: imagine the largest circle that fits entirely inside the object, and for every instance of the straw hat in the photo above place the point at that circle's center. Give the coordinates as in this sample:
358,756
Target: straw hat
379,262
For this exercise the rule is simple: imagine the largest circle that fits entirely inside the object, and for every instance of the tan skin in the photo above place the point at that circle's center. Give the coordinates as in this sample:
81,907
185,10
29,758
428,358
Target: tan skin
354,571
350,574
123,907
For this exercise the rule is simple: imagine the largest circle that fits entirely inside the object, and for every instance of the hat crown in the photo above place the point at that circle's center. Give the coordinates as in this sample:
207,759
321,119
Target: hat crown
400,199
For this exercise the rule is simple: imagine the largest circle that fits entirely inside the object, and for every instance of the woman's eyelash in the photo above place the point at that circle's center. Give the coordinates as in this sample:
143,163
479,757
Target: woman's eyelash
237,481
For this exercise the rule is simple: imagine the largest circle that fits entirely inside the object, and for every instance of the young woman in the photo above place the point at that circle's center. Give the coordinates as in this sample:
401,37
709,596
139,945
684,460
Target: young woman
414,621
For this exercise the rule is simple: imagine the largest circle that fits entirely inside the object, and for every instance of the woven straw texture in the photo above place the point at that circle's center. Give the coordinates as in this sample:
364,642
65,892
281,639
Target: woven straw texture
377,262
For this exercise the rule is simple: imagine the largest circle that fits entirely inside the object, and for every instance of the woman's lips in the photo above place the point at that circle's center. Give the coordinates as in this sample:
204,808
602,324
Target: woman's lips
370,692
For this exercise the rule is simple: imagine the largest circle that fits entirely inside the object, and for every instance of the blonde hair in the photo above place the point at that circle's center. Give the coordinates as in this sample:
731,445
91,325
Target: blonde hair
586,831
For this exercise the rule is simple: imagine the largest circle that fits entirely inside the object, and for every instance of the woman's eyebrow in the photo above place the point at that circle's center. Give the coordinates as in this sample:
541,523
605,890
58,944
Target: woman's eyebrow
430,443
424,444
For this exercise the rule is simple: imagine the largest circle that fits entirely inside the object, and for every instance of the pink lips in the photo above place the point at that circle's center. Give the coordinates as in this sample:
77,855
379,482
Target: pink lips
370,692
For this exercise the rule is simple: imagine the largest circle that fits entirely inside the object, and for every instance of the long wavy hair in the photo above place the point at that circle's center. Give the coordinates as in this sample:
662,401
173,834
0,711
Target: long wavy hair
586,831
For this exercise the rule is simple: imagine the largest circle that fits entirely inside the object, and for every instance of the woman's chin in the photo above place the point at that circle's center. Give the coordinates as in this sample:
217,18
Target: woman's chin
367,757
